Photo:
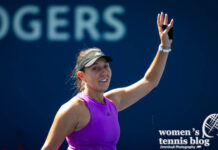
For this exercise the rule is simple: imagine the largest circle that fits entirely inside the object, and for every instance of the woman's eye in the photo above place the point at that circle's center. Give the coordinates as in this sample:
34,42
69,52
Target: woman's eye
94,68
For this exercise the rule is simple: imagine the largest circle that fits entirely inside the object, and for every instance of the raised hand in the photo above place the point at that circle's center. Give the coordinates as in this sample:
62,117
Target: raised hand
164,38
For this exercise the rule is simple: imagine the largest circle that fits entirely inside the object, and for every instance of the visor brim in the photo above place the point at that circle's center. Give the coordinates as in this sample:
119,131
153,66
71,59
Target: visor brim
91,62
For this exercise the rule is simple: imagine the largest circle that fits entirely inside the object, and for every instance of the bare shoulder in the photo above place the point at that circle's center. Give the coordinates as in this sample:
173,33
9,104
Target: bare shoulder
70,114
78,112
114,95
65,122
73,106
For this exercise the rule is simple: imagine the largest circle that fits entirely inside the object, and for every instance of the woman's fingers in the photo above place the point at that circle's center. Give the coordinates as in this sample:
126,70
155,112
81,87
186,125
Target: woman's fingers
171,23
158,23
166,19
169,26
161,18
158,19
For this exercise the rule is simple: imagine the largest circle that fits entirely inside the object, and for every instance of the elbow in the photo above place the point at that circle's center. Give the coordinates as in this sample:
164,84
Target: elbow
153,83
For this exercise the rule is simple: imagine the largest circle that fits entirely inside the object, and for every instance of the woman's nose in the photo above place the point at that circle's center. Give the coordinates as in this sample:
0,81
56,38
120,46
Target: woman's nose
104,71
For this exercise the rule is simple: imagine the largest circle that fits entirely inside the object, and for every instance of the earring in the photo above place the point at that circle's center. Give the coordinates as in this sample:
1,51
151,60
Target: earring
79,74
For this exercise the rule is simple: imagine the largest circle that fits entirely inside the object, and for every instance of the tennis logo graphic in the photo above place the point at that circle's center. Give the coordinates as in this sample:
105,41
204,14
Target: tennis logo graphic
190,139
210,126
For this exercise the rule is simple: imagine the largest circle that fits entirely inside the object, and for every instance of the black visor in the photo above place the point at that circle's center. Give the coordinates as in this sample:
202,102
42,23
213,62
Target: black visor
91,58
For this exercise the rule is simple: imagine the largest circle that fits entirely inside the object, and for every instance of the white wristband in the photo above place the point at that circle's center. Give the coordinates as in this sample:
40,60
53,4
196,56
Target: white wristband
164,50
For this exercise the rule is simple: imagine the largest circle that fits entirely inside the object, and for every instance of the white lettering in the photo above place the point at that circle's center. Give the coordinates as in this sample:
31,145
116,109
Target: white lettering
86,24
119,27
54,23
27,23
175,132
4,22
34,25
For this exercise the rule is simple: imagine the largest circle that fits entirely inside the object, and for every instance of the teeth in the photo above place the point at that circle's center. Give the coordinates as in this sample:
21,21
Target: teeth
104,80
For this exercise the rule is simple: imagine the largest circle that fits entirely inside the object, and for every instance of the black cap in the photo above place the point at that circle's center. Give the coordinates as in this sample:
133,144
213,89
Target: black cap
90,58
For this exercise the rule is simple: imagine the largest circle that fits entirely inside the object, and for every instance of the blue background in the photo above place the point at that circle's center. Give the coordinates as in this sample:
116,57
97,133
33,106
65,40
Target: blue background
34,76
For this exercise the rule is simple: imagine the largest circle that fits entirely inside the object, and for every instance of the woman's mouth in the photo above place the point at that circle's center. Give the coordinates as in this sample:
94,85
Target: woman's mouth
104,80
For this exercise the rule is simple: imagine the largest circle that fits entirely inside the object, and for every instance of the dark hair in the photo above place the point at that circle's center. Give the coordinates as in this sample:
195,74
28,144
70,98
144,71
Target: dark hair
79,84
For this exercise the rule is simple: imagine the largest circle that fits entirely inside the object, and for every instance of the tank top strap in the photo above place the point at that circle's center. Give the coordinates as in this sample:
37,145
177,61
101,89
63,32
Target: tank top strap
85,98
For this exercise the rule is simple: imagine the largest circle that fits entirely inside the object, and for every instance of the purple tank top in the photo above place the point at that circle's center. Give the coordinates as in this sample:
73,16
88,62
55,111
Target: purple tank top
103,130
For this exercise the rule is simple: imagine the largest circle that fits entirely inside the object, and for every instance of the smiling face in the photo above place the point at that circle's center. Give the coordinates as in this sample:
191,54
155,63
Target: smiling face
97,77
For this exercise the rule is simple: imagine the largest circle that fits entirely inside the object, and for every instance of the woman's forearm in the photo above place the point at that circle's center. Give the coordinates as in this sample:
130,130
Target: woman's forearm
156,69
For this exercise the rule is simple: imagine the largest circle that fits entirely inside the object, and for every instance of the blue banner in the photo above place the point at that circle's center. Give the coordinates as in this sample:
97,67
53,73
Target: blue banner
39,42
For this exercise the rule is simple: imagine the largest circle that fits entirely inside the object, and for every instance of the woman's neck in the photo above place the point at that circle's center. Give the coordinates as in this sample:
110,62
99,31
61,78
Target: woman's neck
97,96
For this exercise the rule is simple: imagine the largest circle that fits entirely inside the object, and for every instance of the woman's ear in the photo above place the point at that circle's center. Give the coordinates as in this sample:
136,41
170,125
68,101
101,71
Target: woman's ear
80,75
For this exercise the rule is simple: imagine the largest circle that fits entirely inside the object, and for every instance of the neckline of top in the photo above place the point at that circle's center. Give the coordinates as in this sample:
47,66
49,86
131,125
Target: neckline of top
85,94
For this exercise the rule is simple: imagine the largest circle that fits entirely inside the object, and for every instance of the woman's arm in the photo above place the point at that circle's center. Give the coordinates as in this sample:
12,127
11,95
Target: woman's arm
64,123
124,97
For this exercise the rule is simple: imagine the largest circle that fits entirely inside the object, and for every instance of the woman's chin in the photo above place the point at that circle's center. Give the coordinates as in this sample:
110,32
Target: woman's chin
103,89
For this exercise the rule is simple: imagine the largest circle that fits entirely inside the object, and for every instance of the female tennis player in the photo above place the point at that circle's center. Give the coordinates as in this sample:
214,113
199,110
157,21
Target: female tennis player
89,121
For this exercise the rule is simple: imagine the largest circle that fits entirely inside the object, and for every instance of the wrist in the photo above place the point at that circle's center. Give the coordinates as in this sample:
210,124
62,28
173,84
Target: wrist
165,46
164,50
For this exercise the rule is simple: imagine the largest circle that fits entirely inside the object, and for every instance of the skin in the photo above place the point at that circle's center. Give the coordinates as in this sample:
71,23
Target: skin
74,115
93,75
